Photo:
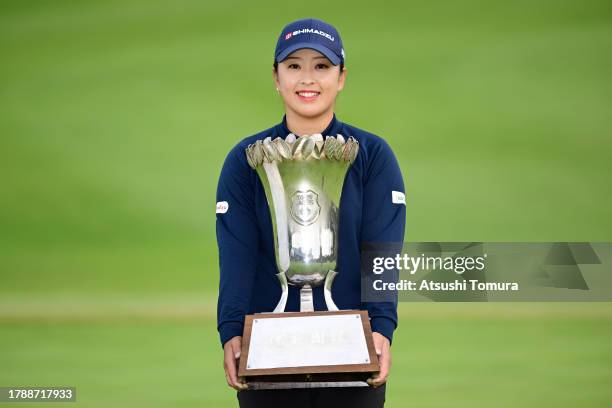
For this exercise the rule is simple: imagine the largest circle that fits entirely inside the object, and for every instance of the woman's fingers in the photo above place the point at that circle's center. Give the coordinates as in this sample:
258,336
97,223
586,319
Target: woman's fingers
231,351
230,370
383,350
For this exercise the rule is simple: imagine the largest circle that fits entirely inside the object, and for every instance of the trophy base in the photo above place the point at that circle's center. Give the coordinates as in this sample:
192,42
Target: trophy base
307,350
283,382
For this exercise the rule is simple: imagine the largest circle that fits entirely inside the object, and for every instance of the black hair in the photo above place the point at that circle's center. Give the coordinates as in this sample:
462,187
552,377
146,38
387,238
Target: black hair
275,65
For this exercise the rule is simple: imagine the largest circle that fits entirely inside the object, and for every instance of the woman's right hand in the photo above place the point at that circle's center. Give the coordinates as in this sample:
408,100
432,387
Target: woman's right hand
231,350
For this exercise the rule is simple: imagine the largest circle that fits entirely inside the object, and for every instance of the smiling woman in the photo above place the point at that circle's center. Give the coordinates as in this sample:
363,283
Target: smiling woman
309,84
308,73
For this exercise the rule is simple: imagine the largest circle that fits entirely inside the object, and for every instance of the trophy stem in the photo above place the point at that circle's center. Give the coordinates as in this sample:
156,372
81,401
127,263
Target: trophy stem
280,307
306,304
329,279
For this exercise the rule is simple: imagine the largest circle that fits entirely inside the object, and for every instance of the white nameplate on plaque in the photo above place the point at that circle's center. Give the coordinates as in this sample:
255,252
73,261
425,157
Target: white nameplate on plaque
307,341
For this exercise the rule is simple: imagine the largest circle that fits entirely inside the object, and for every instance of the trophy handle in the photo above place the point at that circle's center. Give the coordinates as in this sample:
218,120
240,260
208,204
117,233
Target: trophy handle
280,307
329,279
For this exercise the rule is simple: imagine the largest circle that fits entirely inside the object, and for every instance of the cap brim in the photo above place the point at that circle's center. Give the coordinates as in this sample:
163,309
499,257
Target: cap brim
329,54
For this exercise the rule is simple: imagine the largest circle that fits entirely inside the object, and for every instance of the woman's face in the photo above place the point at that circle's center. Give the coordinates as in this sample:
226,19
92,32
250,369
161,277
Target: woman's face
308,83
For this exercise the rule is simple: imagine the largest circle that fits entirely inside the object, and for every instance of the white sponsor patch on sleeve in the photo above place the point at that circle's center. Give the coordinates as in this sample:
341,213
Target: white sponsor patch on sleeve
397,197
222,207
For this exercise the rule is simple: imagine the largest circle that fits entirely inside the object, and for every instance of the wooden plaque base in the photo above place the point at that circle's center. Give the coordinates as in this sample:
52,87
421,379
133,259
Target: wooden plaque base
306,375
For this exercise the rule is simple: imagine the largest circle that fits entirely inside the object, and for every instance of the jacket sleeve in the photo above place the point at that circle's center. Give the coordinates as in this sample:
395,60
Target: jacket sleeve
384,220
237,239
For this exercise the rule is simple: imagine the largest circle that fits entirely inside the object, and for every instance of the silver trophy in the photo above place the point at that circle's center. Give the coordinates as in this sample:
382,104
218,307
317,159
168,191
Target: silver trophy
303,178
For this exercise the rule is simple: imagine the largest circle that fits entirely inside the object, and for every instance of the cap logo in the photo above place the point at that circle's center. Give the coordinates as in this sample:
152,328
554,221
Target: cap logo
310,31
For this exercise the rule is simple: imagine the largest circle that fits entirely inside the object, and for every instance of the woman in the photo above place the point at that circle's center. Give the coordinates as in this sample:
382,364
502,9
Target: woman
309,73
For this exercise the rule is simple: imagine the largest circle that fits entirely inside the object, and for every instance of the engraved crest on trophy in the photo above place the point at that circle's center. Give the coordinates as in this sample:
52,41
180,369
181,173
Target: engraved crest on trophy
305,207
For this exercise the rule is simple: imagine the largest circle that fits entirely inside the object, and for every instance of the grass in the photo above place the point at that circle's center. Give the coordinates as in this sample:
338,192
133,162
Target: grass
444,355
115,118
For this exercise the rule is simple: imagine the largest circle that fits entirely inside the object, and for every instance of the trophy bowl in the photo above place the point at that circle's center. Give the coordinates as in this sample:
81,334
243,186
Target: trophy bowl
303,178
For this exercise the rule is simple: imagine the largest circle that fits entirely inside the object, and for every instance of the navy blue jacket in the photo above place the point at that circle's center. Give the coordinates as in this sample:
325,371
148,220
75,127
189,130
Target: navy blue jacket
246,242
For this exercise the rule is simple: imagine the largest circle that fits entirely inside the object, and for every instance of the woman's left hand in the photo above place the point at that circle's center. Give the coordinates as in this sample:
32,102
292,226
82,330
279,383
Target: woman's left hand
383,350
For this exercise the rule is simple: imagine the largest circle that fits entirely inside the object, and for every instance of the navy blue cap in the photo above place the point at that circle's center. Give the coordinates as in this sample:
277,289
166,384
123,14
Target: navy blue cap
310,33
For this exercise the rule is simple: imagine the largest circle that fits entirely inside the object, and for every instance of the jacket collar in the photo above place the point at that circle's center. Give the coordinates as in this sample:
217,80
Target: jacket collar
333,128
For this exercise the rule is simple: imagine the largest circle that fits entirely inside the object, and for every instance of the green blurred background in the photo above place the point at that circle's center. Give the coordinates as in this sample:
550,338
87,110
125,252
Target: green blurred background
115,118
